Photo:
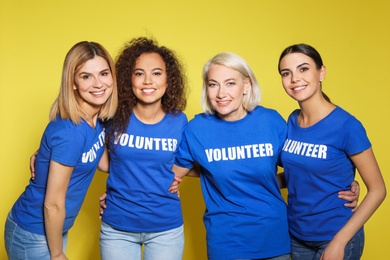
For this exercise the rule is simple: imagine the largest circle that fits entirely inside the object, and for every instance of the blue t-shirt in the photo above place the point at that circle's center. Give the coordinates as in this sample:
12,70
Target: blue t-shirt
141,162
79,146
317,166
246,216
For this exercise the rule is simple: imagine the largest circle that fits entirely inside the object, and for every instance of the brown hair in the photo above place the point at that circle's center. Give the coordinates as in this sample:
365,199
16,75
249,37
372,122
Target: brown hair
67,103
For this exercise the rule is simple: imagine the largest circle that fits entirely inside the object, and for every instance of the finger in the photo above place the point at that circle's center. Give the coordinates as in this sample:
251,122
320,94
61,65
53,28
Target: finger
178,179
173,189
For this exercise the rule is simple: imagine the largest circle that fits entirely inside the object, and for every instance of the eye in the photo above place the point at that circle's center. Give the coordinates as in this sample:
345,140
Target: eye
105,73
157,73
284,74
138,74
230,83
212,84
86,76
303,69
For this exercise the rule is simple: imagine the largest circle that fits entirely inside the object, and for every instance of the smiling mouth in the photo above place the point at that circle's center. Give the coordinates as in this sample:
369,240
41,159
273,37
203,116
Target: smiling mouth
298,88
98,93
225,102
148,90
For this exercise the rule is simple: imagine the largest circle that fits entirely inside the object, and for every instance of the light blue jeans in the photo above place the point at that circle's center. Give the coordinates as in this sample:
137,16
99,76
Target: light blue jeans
122,245
309,250
281,257
21,244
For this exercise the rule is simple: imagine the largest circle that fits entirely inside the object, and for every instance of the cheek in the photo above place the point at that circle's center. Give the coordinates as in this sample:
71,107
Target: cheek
210,93
109,82
285,82
135,81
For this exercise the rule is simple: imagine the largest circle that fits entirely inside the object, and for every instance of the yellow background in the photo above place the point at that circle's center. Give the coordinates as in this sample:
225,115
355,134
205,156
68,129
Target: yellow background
352,37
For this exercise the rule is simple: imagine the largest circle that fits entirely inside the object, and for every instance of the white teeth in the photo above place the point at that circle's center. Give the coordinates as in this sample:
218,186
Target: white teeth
223,102
148,91
298,88
98,93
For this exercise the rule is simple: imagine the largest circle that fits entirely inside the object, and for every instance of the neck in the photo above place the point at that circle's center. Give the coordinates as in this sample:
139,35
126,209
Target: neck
149,114
90,114
312,111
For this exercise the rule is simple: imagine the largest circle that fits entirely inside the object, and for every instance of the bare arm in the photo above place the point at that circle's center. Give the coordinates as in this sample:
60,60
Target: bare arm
195,171
376,192
54,207
104,163
180,172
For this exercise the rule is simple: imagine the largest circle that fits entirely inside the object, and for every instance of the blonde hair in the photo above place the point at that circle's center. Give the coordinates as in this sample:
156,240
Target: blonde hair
67,104
235,62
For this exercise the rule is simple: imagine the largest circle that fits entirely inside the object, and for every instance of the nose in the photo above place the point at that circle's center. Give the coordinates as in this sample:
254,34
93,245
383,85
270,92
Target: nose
98,82
147,79
221,92
295,77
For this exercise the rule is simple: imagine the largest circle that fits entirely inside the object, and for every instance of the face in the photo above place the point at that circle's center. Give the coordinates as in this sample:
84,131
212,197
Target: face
149,78
301,78
93,82
225,90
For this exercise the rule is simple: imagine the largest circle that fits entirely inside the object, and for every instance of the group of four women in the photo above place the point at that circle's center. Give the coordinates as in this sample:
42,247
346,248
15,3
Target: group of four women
235,147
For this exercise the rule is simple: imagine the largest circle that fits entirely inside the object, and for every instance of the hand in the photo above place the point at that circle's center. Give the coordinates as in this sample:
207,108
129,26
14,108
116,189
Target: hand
33,158
352,196
174,188
334,251
102,202
61,256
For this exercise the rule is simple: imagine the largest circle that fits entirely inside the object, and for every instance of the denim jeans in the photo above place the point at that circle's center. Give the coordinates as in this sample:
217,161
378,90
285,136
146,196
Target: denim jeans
122,245
281,257
308,250
21,244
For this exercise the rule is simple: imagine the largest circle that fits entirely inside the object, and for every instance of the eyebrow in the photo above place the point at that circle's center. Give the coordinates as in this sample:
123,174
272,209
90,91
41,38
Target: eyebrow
89,73
300,65
223,81
152,69
305,63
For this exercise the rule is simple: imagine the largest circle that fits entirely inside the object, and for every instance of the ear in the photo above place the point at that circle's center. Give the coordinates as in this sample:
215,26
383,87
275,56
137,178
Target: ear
247,85
322,73
74,87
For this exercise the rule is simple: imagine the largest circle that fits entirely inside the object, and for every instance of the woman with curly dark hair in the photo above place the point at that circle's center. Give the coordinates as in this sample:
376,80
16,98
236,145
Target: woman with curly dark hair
142,138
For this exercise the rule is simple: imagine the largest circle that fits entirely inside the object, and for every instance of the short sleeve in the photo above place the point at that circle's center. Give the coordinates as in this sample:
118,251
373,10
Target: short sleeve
356,139
67,146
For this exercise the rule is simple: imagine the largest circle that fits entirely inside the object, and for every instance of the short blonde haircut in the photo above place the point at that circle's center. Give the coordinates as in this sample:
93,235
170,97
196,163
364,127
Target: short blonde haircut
235,62
67,104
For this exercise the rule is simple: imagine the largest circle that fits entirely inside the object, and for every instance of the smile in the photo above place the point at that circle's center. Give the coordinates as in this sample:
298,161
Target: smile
97,93
148,90
299,88
226,102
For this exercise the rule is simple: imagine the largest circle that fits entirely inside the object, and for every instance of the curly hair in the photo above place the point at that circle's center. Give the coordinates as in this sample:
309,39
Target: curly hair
174,98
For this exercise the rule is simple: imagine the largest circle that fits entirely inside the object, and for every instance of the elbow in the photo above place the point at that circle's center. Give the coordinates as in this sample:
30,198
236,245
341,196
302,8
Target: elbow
381,194
384,193
51,207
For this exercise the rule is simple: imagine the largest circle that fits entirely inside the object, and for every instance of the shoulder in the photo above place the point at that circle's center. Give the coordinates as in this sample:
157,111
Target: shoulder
345,120
177,116
198,121
343,117
294,115
65,129
268,114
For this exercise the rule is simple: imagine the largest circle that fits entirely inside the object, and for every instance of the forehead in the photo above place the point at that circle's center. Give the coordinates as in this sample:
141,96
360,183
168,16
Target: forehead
221,72
96,64
150,59
296,58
